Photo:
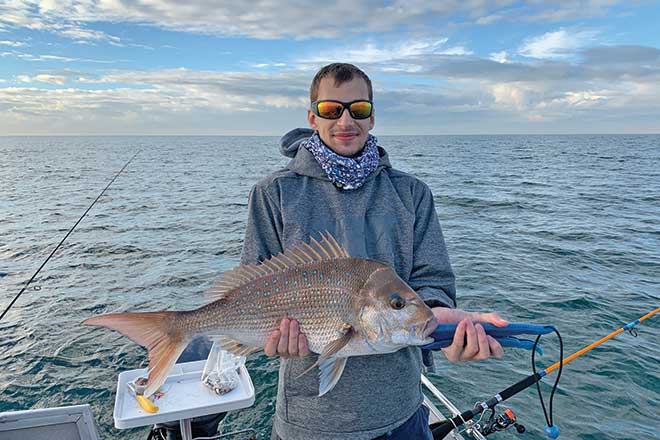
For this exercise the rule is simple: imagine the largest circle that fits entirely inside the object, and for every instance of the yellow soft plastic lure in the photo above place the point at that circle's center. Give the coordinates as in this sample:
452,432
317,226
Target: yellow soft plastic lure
147,404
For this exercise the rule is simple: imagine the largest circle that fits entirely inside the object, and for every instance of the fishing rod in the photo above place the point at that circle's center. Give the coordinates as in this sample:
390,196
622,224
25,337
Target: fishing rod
65,237
442,429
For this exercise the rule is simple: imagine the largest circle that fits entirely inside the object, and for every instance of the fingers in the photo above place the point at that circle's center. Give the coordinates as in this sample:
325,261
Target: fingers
303,349
271,343
293,338
445,315
455,350
287,340
495,347
283,345
472,343
491,317
483,349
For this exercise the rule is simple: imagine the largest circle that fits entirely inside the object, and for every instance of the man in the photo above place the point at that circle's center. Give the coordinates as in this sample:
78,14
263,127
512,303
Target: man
340,181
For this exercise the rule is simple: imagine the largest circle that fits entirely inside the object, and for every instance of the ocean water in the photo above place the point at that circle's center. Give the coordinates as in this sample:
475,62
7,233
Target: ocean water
548,229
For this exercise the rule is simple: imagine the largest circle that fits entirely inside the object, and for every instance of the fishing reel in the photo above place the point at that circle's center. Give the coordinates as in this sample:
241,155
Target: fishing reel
499,422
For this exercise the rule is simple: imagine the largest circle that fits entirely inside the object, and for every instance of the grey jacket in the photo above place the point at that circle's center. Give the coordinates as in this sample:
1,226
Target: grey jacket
391,218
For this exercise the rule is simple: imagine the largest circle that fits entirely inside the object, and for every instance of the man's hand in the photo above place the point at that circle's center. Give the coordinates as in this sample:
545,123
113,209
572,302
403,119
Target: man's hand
287,341
470,340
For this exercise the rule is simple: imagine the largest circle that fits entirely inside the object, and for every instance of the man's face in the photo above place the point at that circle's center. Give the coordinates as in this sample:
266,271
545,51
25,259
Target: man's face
345,136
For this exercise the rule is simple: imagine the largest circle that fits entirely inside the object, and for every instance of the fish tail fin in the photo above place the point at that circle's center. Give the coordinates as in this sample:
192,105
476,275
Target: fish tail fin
156,331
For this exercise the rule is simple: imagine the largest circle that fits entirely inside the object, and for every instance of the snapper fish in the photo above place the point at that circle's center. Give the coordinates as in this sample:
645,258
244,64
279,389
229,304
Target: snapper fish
345,307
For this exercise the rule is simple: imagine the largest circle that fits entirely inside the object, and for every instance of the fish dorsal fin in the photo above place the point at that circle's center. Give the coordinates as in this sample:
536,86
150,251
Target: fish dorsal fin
235,347
330,370
316,251
232,279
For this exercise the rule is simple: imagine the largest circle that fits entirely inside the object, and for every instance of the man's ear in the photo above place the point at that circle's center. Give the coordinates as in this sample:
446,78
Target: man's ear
372,121
311,118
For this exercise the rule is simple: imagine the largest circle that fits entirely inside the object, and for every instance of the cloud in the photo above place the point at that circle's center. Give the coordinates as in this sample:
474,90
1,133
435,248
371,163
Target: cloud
548,11
400,56
266,19
572,10
166,93
558,44
11,43
78,33
55,17
259,19
490,19
500,57
465,90
267,65
44,78
626,54
39,58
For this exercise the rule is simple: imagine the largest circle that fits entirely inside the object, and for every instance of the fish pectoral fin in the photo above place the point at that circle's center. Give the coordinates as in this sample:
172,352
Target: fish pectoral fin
332,348
330,370
336,345
235,347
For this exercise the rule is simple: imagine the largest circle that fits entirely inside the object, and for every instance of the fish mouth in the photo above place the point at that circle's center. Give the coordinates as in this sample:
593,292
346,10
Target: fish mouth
421,332
429,327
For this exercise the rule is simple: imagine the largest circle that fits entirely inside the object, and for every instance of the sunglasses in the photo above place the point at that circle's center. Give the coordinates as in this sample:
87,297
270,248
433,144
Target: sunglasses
329,109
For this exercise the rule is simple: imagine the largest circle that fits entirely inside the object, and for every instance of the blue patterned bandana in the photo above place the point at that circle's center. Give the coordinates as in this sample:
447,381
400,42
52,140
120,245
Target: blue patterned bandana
345,172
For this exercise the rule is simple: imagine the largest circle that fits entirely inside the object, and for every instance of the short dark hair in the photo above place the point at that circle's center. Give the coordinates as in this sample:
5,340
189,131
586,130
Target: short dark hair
341,72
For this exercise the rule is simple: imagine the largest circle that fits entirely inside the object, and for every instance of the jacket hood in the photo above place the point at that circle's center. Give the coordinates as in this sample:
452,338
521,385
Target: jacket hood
303,162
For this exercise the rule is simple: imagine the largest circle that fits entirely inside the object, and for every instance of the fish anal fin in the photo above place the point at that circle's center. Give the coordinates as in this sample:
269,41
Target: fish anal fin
330,371
235,347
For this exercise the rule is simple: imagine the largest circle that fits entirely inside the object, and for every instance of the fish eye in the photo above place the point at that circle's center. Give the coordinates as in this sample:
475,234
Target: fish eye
397,302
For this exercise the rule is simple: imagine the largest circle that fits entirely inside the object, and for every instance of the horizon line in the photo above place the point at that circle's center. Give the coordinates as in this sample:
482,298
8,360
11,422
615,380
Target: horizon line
280,135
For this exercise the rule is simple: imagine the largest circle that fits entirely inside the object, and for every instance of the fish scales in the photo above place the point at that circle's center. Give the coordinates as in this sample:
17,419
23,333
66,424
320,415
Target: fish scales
319,296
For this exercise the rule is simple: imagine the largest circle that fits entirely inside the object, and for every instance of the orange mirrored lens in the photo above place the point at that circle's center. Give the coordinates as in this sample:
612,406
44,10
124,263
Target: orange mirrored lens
329,110
361,109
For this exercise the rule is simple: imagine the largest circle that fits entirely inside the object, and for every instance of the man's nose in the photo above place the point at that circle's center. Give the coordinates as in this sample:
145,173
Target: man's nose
345,119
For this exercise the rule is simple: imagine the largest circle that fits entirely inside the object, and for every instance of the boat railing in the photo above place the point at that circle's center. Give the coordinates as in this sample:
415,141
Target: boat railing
437,416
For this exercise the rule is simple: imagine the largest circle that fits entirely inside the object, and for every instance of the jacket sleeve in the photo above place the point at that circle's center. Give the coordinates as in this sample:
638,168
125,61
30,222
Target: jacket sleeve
432,276
264,227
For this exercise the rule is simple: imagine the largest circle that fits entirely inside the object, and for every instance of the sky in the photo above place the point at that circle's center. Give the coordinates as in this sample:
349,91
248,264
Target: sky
166,67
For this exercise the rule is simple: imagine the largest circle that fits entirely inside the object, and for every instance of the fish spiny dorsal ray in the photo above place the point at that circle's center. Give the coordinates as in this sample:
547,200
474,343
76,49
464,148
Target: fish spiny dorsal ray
305,253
